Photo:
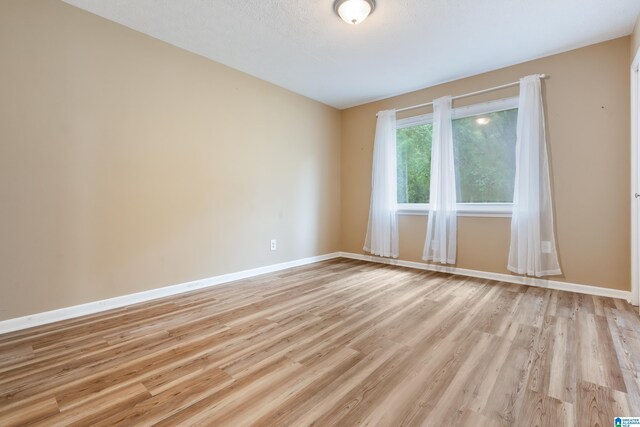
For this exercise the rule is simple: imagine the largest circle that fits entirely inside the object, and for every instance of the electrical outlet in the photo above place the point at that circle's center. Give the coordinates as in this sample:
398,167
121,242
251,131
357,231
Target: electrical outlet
545,247
273,245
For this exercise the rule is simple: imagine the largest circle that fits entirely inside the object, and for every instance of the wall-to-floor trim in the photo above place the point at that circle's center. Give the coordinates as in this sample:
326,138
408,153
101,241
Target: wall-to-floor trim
520,280
38,319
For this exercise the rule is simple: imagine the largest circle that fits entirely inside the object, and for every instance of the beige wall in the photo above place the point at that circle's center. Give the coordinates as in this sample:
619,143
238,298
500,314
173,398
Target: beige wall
128,164
587,107
635,39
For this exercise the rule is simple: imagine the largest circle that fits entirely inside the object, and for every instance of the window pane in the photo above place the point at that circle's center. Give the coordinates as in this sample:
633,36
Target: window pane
414,163
484,150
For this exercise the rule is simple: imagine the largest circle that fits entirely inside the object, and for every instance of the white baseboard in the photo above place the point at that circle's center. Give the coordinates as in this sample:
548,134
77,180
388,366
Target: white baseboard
38,319
520,280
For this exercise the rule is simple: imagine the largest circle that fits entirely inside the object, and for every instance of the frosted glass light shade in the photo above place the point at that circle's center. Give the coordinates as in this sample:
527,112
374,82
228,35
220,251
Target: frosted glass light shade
354,11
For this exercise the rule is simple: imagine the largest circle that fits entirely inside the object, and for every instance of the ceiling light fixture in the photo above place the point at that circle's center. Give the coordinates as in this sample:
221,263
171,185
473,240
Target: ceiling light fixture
354,11
482,121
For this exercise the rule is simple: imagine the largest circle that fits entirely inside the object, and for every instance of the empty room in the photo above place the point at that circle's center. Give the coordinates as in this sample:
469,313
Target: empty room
319,213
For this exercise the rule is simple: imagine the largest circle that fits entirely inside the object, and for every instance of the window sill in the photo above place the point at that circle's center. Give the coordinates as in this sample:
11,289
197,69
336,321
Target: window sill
498,210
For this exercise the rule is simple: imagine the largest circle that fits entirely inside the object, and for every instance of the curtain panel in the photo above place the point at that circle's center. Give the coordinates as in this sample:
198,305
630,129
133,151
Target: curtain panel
533,245
382,229
440,242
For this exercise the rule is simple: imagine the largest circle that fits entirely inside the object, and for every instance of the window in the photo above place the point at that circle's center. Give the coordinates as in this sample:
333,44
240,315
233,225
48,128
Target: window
484,140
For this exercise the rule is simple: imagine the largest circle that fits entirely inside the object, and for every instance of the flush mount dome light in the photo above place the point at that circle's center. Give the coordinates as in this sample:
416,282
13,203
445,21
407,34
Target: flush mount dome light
354,11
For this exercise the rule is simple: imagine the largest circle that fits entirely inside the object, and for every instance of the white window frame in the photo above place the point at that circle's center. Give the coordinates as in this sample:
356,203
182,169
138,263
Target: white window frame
464,209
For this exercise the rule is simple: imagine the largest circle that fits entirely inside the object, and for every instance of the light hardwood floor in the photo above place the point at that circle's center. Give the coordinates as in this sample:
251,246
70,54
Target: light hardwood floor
336,343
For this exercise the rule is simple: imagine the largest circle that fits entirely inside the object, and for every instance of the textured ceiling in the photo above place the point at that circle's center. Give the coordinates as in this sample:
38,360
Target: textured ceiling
405,45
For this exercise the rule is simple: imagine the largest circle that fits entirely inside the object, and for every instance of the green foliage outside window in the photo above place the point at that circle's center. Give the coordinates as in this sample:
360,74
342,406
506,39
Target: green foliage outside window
484,152
414,163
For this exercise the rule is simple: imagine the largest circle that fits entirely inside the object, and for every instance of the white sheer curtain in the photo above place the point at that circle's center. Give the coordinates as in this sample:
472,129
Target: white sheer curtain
533,244
382,231
440,244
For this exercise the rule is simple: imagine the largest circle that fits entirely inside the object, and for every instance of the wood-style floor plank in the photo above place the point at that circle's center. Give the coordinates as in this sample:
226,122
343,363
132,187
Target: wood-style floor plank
340,342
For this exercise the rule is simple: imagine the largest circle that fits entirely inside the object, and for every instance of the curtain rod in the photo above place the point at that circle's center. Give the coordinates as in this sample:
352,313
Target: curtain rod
478,92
